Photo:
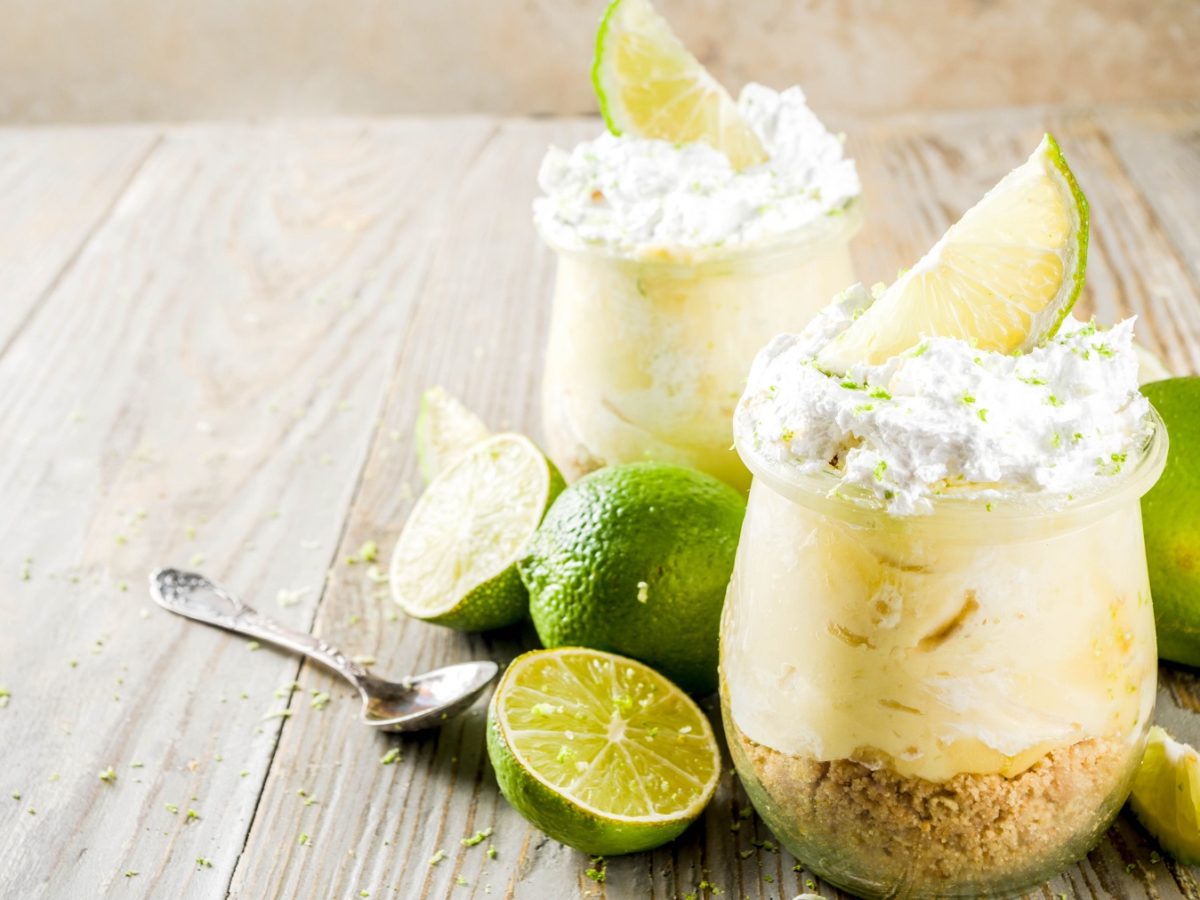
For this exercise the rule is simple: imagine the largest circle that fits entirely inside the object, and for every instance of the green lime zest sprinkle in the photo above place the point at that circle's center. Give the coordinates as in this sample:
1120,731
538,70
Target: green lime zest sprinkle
866,407
1053,401
5,696
461,881
172,808
305,840
983,415
320,699
967,398
598,871
192,816
880,468
392,756
477,838
131,873
364,893
109,775
880,394
852,385
252,645
491,852
16,795
437,857
203,862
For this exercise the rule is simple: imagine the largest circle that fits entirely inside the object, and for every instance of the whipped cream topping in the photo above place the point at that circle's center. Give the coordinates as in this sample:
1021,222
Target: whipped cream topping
948,418
634,195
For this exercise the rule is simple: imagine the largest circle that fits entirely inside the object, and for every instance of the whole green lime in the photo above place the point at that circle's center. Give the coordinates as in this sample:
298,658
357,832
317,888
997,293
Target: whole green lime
635,559
1171,517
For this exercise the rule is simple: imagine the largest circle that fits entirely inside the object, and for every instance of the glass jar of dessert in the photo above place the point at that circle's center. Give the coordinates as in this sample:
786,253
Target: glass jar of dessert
938,660
673,269
647,356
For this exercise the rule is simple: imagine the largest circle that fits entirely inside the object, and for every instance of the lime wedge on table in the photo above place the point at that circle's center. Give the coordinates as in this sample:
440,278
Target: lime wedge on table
1004,276
455,561
599,751
649,85
1166,795
445,430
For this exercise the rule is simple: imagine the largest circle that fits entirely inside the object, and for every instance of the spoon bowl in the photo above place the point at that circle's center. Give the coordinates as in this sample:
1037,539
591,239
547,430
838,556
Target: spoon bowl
413,703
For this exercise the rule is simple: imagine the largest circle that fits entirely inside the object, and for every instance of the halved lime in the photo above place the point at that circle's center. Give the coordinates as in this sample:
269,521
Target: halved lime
455,561
445,431
649,85
600,752
1004,276
1166,795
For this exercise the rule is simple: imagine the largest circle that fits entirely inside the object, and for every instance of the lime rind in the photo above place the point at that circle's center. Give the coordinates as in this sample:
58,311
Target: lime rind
1083,231
597,61
620,725
455,561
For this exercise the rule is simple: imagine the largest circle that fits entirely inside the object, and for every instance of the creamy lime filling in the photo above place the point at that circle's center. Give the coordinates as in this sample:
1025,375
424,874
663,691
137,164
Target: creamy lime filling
632,195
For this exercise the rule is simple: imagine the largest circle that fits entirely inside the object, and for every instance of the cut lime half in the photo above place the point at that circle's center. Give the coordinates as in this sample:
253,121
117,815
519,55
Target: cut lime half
455,561
1003,277
445,431
599,751
649,85
1166,795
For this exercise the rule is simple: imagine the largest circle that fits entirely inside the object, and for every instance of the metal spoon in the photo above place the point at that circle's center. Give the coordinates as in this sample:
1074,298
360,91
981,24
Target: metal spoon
419,701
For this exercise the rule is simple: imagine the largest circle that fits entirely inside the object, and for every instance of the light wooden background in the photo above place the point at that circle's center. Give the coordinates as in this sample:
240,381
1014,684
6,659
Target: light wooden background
212,342
121,60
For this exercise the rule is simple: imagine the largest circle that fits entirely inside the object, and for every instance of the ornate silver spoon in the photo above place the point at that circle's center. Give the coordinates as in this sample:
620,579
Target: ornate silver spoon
416,702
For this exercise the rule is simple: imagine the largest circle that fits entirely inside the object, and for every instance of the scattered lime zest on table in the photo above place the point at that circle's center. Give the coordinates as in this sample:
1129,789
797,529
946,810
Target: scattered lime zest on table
455,561
624,762
1166,795
1005,275
649,85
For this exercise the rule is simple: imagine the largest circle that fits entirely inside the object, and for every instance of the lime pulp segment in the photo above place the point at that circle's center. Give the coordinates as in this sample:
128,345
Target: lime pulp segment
649,85
1003,277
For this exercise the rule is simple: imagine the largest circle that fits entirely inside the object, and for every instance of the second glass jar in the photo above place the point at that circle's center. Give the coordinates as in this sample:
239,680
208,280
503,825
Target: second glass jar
647,355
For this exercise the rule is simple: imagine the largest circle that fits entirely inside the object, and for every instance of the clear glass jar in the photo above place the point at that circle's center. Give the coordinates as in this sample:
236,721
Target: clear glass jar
648,355
942,705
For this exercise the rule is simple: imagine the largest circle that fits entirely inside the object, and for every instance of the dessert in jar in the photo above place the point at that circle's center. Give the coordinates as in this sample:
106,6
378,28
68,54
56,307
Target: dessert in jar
676,262
938,657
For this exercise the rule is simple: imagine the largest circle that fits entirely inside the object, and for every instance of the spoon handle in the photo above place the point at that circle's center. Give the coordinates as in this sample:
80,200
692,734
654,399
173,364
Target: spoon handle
192,595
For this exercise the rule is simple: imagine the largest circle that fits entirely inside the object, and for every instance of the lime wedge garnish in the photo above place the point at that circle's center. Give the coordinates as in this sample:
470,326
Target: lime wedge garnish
455,561
1166,795
600,752
1003,277
649,85
445,430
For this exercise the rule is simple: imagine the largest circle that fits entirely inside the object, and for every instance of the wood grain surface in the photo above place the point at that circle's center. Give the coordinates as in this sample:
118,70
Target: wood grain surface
218,344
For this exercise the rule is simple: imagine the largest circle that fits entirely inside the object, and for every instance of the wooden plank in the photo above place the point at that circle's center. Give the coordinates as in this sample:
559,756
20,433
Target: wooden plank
479,330
58,185
205,379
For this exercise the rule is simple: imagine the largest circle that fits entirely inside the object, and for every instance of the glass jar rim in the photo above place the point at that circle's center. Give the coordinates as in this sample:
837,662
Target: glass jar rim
807,240
1011,512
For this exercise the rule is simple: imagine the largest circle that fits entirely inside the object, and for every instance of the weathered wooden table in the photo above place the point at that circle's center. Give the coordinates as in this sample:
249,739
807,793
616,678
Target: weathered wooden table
212,343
